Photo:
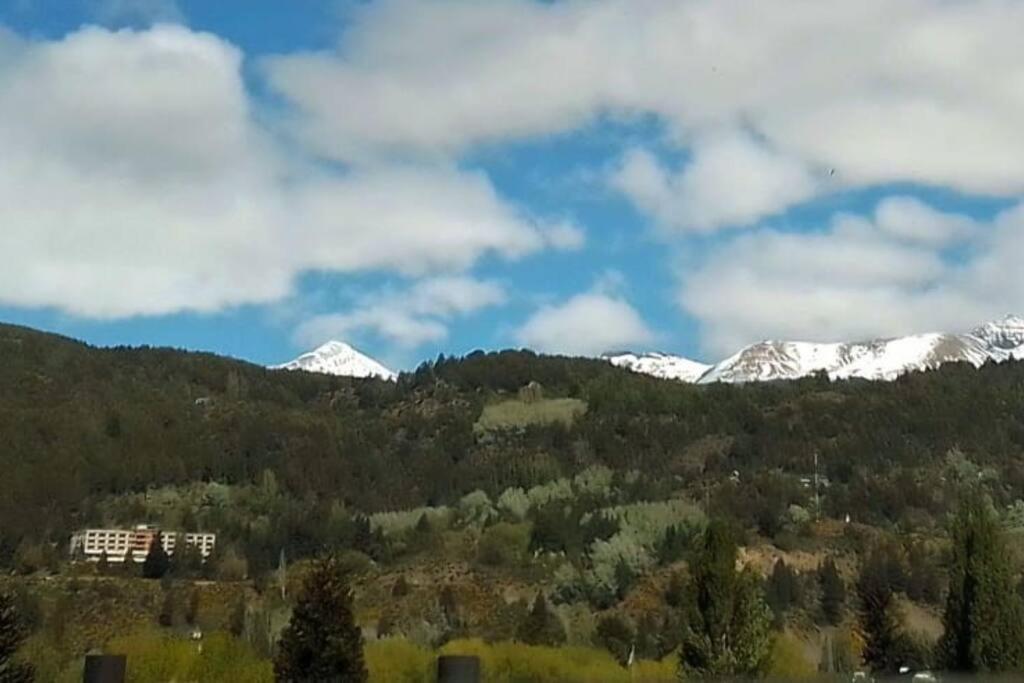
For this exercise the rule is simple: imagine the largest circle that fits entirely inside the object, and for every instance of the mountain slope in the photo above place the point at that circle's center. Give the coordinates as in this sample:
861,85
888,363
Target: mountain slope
339,358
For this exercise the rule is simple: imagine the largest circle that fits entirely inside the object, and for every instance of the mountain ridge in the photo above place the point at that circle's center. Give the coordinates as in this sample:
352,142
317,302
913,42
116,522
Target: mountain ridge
882,359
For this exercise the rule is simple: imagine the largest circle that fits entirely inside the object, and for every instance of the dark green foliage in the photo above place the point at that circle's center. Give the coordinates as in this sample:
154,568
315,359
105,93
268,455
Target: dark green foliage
559,527
886,645
156,564
727,631
366,540
12,632
624,578
614,634
833,592
322,641
984,619
541,626
676,542
782,590
236,622
187,560
84,425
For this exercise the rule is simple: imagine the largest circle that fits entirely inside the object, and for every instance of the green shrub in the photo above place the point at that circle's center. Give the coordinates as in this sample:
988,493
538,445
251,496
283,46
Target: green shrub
504,544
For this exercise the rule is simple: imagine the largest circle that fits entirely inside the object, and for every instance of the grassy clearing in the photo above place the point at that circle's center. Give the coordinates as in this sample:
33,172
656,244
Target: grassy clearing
518,413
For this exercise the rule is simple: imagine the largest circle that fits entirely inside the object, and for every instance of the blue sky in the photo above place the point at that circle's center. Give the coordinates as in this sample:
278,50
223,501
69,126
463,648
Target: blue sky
254,178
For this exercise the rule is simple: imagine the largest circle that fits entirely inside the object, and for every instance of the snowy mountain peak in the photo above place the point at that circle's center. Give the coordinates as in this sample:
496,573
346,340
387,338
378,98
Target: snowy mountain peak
339,358
661,365
880,359
1006,334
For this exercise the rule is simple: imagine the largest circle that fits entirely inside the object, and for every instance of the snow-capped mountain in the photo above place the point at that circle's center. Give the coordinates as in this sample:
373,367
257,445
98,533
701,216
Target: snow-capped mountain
881,359
661,365
338,358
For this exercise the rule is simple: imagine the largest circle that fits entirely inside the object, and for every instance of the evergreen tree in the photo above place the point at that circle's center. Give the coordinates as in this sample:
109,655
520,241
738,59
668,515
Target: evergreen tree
728,623
322,641
157,563
984,619
833,592
782,590
541,626
12,633
886,645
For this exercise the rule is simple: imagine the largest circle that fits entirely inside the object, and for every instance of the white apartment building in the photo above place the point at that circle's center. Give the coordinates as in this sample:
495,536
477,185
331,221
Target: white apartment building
121,544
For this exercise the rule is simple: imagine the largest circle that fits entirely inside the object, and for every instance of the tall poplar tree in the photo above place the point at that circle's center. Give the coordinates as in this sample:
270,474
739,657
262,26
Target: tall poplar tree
984,619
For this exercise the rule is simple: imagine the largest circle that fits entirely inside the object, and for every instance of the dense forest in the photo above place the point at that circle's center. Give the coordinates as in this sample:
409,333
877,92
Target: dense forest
513,497
80,426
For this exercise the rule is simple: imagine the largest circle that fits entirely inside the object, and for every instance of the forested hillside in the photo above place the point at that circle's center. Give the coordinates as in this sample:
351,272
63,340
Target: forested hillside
529,501
81,426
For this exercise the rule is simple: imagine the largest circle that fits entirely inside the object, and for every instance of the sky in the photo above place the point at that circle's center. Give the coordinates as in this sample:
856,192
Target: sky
417,177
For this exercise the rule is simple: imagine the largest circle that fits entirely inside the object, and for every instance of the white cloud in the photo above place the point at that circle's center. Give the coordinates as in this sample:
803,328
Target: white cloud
407,318
586,324
732,180
910,219
135,180
858,279
928,91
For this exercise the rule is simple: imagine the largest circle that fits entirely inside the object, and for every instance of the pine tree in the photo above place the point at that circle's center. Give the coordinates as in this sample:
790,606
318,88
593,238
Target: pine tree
728,623
782,590
881,626
157,563
12,633
833,592
984,619
322,641
541,626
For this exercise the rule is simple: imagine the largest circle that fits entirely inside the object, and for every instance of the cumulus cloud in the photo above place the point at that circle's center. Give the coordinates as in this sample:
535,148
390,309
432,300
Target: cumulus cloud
928,91
135,180
732,180
860,278
407,318
586,324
